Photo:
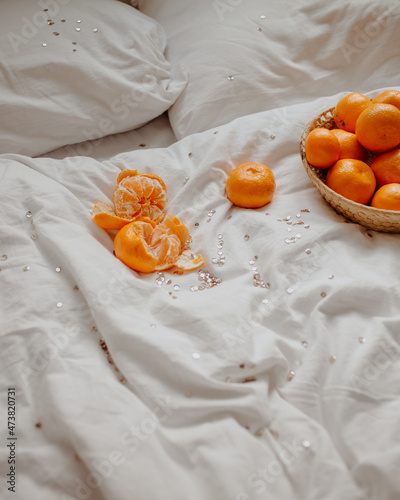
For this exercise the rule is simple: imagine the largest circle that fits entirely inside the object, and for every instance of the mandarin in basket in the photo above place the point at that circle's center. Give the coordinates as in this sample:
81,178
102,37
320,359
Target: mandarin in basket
139,195
387,197
386,167
145,246
349,146
250,185
378,127
352,179
348,109
388,97
322,148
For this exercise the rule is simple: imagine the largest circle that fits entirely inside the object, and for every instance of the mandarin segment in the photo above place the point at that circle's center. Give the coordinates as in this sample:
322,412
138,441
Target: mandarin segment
250,185
322,148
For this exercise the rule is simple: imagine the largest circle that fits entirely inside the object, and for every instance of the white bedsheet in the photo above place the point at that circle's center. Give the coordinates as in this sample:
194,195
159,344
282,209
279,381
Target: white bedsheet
197,403
155,134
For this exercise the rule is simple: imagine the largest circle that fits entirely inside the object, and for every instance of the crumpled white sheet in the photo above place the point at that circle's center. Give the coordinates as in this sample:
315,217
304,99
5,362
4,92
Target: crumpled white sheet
197,401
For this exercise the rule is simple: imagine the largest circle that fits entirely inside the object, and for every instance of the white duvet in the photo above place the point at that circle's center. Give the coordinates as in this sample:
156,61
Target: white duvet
199,386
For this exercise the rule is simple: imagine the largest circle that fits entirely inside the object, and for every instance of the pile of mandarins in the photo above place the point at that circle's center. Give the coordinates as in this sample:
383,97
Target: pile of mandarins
365,128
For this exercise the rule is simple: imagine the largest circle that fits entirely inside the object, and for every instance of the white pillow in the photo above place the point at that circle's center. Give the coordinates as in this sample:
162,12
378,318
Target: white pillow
73,71
248,56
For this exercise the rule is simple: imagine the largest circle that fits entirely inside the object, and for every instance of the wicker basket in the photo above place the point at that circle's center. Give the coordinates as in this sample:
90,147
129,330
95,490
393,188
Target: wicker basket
387,221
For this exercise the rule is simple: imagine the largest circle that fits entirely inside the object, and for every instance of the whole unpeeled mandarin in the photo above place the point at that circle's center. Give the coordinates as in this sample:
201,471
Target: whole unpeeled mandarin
386,167
352,179
349,145
388,97
348,109
322,148
387,197
250,185
378,127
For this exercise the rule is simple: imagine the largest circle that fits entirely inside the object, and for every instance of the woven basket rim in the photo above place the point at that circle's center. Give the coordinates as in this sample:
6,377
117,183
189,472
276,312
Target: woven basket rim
376,217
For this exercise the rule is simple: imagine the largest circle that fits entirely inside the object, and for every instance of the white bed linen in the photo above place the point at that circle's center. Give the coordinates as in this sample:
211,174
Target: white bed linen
183,424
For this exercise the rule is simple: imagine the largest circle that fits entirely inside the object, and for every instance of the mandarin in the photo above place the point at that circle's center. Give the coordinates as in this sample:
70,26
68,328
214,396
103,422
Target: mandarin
386,167
322,148
145,246
378,127
387,197
349,145
250,185
348,109
352,179
388,97
139,195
